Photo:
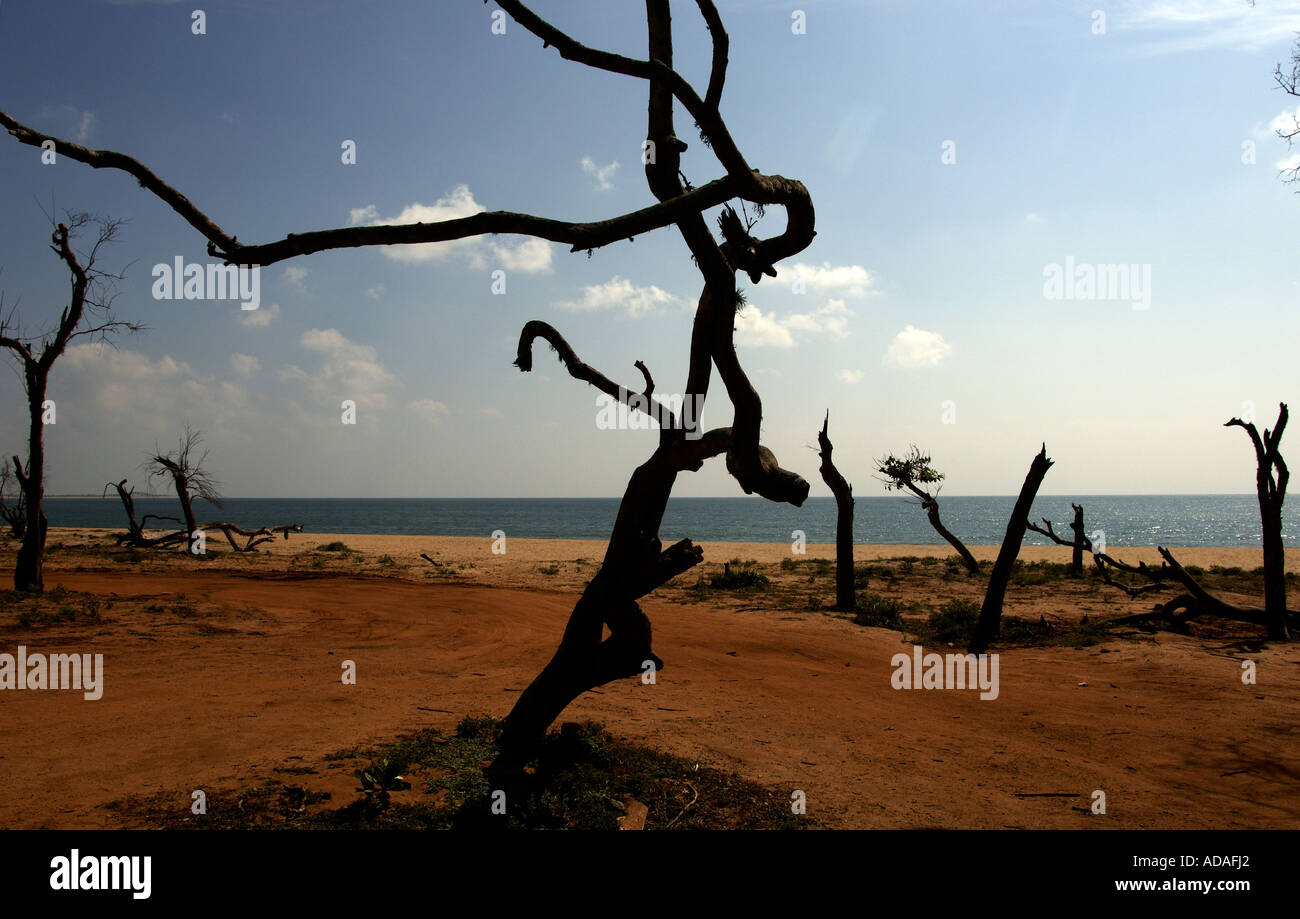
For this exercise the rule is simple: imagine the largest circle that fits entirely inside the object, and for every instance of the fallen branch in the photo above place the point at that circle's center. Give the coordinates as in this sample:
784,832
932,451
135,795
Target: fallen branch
1195,603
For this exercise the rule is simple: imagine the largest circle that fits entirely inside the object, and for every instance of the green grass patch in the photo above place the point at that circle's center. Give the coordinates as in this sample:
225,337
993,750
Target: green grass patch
954,621
583,778
738,575
878,612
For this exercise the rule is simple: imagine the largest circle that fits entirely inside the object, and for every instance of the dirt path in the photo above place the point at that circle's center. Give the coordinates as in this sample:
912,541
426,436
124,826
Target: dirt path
1166,729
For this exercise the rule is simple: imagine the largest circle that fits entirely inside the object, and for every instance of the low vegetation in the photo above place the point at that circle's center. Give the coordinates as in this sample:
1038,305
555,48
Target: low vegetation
584,778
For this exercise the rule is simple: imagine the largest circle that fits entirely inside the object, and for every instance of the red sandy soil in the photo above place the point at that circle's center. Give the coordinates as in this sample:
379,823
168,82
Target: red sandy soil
1165,727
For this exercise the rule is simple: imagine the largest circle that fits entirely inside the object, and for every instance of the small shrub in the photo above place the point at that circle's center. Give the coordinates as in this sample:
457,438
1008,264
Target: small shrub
955,621
738,575
878,612
335,546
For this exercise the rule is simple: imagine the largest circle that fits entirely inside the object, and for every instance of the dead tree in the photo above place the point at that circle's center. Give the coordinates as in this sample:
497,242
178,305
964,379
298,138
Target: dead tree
88,314
1289,83
136,536
909,473
635,562
843,492
135,532
184,467
13,510
1271,477
1079,543
990,620
1197,601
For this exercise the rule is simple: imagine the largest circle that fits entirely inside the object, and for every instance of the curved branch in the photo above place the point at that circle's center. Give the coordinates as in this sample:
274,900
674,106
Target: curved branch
108,159
536,328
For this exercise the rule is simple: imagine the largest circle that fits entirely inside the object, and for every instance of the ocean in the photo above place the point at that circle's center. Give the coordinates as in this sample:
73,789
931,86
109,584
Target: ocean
1132,520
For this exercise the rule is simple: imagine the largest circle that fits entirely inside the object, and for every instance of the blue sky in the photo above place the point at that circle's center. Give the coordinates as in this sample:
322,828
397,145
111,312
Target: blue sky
923,317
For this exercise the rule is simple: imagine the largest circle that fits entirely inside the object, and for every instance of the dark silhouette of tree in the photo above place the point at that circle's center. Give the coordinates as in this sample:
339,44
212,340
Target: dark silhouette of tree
13,510
184,467
1289,82
845,598
1079,543
1271,477
910,473
635,562
990,620
89,313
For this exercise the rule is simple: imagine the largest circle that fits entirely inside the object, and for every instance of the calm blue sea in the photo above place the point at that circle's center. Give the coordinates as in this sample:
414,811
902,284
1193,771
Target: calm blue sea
1134,520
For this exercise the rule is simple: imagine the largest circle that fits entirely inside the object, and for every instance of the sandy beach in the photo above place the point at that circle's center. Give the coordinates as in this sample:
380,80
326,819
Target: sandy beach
224,671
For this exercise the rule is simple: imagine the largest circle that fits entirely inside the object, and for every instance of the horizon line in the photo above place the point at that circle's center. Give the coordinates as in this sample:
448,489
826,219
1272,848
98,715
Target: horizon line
1152,494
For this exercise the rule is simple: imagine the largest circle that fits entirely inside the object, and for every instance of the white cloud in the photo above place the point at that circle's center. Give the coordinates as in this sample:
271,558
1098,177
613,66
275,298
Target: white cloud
600,173
294,276
1033,218
244,365
122,364
529,256
850,280
73,121
1290,163
850,376
755,330
758,330
1193,25
259,318
1286,121
348,370
158,395
374,292
620,293
915,347
831,319
429,409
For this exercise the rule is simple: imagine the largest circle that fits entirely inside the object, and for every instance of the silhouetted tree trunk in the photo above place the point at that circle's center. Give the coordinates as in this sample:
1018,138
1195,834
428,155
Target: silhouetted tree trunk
1271,477
1079,543
843,492
37,357
134,530
931,505
1076,557
185,467
990,621
909,472
634,562
29,568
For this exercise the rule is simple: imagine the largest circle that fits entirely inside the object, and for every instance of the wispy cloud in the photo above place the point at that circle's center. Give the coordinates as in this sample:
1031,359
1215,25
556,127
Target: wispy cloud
757,329
620,293
1194,25
915,347
850,376
431,410
259,318
74,122
346,369
846,280
244,365
530,256
294,276
601,174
